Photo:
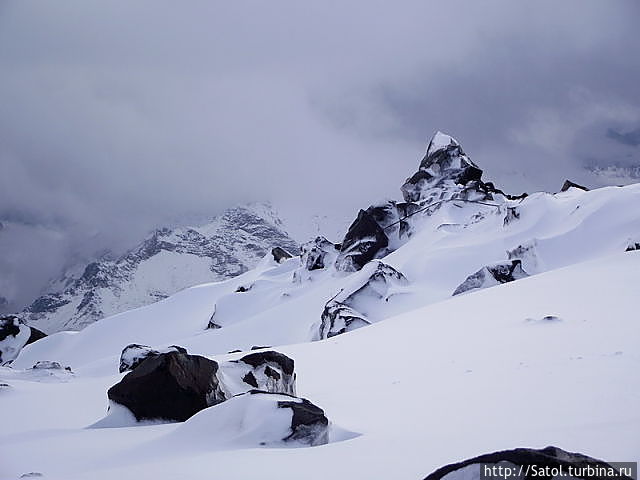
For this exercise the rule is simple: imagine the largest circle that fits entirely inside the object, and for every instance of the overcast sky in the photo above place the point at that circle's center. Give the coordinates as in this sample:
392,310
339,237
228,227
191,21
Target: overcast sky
118,116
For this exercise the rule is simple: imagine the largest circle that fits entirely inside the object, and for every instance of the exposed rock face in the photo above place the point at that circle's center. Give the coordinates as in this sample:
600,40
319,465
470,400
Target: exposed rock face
527,254
316,254
309,424
569,184
364,240
444,163
169,386
132,355
267,371
492,275
280,254
352,309
14,335
227,246
445,174
632,246
547,458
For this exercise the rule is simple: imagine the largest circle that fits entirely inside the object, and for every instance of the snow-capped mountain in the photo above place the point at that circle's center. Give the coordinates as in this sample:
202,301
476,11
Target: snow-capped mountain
455,322
169,260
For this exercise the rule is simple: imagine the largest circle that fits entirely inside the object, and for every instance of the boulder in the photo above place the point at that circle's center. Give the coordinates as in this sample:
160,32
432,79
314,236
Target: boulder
315,252
14,335
133,354
280,254
268,371
169,386
569,184
309,424
632,246
358,306
252,420
543,462
492,275
364,241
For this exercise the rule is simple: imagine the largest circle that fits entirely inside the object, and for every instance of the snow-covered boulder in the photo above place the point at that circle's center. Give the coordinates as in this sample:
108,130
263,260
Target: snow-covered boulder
315,252
174,385
492,275
169,386
14,335
544,463
268,371
356,306
133,354
252,420
632,246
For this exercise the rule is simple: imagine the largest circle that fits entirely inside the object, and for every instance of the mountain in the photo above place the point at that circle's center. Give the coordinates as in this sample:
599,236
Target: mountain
455,322
169,260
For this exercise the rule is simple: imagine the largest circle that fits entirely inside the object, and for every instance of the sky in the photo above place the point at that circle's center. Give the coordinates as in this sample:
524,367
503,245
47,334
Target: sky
118,116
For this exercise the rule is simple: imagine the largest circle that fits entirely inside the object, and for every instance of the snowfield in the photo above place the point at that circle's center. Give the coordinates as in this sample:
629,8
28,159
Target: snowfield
548,359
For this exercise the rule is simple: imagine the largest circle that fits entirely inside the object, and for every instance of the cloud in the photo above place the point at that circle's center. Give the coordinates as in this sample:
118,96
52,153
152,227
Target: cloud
119,116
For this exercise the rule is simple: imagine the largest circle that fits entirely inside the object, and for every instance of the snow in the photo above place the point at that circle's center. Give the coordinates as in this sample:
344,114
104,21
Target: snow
439,141
435,379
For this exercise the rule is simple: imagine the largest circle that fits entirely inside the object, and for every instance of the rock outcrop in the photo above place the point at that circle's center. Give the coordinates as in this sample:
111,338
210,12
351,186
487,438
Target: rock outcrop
354,308
492,275
14,336
544,463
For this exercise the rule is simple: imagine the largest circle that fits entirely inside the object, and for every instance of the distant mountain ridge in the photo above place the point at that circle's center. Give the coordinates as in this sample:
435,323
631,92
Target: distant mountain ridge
168,260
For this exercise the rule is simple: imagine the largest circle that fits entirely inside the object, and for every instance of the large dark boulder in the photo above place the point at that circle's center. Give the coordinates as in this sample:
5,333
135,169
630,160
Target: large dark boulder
492,275
14,336
169,386
364,241
536,464
133,354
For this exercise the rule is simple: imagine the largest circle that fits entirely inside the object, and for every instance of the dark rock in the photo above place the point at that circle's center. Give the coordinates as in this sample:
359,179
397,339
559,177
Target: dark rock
492,275
250,379
235,351
569,184
512,214
243,288
547,458
364,241
35,335
338,318
283,362
633,246
14,336
170,386
258,347
309,424
280,254
132,355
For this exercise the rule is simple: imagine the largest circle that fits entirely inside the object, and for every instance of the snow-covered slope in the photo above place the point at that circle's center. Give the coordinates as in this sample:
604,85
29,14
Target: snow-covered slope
538,348
164,263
